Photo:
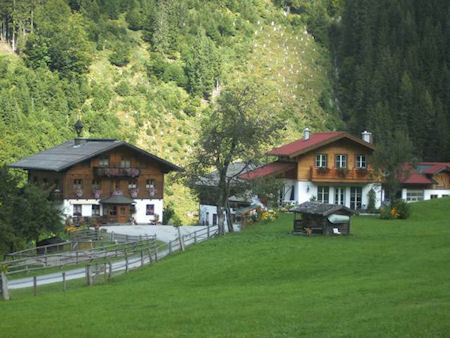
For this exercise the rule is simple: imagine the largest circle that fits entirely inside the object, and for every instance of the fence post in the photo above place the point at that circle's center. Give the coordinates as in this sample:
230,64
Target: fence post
126,261
88,275
142,257
35,285
195,237
155,244
105,275
110,270
170,247
207,227
76,257
150,259
5,290
64,280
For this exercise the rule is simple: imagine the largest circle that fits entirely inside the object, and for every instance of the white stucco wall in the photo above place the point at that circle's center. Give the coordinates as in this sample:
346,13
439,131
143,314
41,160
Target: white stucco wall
140,215
141,208
206,213
306,190
426,193
86,206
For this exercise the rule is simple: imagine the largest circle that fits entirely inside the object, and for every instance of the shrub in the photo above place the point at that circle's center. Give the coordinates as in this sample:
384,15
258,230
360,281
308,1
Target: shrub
402,209
372,198
123,89
399,209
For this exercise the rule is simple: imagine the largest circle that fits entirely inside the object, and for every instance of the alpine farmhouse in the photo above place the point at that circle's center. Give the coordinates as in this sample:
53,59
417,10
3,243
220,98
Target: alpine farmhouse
330,167
107,179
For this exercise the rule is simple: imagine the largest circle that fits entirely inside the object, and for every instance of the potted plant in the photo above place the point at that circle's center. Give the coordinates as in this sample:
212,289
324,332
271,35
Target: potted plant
323,170
134,192
78,192
342,172
97,193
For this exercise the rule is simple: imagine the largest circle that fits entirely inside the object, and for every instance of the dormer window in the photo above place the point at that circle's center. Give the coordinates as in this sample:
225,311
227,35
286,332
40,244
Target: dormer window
125,162
321,161
361,161
341,161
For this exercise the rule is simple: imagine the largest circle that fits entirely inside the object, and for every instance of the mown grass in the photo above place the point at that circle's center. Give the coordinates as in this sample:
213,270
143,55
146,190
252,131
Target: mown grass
389,278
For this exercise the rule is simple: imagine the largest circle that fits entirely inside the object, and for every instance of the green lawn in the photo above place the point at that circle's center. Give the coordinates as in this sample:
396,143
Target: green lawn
389,278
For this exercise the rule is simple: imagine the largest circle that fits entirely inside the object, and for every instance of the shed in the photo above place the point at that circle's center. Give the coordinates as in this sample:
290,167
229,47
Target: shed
321,218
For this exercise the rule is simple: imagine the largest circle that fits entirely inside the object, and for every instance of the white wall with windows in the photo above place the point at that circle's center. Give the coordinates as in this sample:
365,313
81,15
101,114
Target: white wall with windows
414,195
80,207
148,210
208,215
355,196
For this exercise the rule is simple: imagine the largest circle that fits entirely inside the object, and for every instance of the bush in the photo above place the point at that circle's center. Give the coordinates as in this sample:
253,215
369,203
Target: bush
372,199
123,89
402,208
399,209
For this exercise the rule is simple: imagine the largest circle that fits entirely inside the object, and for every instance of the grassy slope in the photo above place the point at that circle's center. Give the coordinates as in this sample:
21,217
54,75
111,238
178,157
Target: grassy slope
389,278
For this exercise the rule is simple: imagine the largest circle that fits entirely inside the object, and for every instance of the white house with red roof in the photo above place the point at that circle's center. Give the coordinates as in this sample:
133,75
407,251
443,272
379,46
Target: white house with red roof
331,167
427,180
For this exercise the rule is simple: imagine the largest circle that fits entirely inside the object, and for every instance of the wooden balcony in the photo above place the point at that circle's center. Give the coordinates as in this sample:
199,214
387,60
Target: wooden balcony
342,175
116,172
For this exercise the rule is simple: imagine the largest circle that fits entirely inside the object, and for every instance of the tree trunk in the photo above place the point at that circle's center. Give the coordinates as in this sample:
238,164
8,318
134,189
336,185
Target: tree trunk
228,215
221,219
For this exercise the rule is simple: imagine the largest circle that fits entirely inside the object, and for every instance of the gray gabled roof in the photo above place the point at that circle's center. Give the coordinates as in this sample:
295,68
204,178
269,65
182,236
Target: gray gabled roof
68,154
234,170
321,209
117,199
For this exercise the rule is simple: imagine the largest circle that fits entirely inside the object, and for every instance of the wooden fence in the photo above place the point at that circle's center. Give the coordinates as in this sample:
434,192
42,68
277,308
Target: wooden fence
107,263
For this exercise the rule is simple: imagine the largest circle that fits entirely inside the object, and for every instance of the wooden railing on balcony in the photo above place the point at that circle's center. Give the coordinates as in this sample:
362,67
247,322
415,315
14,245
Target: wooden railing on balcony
341,175
116,172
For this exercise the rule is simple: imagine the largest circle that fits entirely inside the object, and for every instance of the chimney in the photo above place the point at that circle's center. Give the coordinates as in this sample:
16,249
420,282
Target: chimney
366,136
306,134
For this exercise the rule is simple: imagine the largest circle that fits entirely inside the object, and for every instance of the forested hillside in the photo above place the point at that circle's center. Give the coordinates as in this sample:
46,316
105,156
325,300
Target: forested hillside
393,70
148,70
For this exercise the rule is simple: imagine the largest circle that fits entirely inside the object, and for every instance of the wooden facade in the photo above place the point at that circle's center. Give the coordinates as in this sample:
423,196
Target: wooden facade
308,170
120,170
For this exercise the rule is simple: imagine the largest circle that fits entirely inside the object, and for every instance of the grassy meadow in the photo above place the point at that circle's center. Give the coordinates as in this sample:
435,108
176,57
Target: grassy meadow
388,278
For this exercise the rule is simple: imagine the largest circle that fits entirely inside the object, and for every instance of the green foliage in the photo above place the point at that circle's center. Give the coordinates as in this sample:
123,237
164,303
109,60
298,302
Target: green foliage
120,56
25,213
123,89
372,200
393,72
402,208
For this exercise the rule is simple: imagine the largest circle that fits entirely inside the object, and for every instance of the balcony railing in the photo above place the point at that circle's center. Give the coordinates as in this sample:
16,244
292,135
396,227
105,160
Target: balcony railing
116,172
341,174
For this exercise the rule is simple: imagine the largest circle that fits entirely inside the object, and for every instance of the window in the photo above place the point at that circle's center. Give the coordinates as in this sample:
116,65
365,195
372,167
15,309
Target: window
361,161
150,183
103,161
292,197
125,163
433,196
77,184
321,160
77,209
323,194
113,210
339,195
214,219
341,161
150,209
95,184
95,210
132,184
355,198
414,195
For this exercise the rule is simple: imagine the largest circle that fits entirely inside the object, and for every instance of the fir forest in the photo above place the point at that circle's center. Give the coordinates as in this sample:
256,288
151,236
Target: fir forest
146,71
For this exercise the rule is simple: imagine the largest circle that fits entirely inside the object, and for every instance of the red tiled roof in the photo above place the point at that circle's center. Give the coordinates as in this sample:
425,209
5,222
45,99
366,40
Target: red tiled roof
414,176
316,140
434,166
267,170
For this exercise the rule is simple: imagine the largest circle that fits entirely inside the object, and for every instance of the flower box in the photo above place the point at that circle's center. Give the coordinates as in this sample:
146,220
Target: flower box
97,193
78,192
134,193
